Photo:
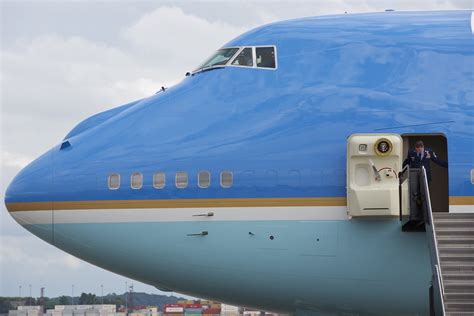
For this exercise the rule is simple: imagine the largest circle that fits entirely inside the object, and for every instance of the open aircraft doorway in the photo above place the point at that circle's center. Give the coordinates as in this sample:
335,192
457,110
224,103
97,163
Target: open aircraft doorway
436,150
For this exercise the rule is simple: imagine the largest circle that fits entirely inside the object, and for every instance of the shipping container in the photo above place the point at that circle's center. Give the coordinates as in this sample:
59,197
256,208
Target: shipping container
174,309
211,311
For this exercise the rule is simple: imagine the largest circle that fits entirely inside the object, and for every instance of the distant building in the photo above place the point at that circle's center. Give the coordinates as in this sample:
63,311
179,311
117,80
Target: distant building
147,311
82,310
26,311
230,310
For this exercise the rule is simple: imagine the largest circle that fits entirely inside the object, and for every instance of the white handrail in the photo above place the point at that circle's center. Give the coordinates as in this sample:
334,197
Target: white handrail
441,287
437,266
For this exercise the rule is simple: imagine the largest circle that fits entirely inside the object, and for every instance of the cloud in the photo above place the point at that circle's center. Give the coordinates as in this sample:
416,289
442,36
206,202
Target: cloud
60,74
172,39
72,262
17,251
14,160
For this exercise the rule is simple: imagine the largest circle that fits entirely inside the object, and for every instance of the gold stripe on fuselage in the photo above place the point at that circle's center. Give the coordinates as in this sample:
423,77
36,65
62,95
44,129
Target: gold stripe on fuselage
182,203
196,203
461,200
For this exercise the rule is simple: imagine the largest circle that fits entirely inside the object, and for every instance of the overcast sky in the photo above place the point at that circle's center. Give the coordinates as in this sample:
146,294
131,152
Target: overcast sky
62,61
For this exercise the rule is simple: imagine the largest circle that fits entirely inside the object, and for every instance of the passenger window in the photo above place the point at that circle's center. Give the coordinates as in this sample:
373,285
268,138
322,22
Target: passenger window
272,177
265,57
247,179
204,179
136,181
244,58
159,180
114,181
226,179
294,178
181,180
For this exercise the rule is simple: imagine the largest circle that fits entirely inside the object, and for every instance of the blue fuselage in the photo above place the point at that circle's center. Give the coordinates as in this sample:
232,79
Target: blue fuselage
282,133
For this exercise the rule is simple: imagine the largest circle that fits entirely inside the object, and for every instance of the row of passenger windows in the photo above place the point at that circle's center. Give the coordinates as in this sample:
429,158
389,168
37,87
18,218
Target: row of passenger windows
181,180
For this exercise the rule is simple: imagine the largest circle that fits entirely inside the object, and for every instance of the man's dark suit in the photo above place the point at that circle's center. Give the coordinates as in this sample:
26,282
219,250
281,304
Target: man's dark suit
416,160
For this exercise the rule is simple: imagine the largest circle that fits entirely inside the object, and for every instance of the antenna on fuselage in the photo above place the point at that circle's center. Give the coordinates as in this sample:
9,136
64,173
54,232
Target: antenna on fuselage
163,89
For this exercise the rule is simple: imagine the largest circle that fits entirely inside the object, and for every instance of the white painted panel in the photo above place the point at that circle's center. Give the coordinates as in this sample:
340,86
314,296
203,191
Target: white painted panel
300,213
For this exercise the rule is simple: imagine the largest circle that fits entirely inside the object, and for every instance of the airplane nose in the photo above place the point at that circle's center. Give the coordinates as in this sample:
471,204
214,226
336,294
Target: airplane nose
28,197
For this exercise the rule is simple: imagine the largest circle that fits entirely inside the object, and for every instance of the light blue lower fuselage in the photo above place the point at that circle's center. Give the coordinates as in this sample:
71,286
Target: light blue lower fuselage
357,266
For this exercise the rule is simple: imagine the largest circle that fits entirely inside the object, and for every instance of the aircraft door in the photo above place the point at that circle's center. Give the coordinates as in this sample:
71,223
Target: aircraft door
373,164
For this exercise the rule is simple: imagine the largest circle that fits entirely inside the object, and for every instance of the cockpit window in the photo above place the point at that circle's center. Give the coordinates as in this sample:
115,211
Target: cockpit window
220,58
265,57
244,58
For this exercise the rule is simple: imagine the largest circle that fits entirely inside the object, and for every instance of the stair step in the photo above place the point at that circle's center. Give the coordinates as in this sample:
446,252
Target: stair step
456,251
464,267
449,276
455,240
457,216
460,281
459,296
459,258
450,243
453,217
459,288
459,247
463,313
446,223
459,306
454,220
454,223
460,310
454,232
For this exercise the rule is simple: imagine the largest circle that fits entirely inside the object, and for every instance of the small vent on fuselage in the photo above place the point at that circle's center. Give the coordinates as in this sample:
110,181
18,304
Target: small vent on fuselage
66,144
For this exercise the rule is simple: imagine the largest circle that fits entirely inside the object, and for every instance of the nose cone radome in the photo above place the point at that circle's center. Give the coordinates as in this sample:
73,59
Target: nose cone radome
28,197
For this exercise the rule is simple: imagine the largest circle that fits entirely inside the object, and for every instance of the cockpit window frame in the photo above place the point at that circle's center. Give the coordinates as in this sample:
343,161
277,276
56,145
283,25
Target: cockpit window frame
265,46
254,57
230,62
219,66
236,54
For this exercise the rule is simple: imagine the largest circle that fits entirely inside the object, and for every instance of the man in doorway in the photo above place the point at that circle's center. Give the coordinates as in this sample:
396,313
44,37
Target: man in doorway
421,157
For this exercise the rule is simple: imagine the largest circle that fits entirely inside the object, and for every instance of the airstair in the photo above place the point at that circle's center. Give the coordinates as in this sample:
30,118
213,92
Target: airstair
455,239
451,243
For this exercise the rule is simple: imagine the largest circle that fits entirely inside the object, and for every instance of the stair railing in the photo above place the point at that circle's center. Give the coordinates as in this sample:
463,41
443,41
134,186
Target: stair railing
438,287
402,177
